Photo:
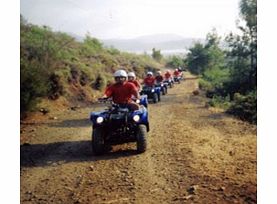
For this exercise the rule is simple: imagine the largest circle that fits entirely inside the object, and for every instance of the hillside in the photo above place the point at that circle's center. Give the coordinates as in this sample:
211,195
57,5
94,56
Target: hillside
58,70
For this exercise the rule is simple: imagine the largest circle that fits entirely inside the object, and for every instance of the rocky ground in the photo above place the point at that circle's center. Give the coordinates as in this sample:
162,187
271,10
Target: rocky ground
196,154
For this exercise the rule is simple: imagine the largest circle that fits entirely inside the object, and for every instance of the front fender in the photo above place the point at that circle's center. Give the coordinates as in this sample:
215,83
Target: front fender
144,100
157,90
95,115
143,113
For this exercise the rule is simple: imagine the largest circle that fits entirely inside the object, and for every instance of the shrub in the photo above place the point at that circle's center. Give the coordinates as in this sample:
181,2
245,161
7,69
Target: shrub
245,106
100,82
220,101
175,61
33,84
56,87
205,85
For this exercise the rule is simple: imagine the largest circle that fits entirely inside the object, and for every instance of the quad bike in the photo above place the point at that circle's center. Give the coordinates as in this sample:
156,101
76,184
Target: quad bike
117,125
177,79
143,100
152,92
170,82
163,86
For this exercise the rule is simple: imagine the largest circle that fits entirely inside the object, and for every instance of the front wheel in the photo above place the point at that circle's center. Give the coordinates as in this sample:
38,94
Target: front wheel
98,141
163,91
159,96
155,97
141,139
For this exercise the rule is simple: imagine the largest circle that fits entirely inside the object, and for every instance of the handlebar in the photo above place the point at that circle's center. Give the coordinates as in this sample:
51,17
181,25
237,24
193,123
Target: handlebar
104,100
109,100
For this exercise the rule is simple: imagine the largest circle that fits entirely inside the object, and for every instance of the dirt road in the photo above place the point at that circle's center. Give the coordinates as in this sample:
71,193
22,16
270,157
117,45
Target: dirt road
195,155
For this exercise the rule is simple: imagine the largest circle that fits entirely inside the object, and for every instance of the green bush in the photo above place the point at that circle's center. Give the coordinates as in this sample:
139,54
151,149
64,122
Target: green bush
205,85
220,101
245,106
175,61
100,82
156,54
213,80
33,84
56,88
113,51
216,76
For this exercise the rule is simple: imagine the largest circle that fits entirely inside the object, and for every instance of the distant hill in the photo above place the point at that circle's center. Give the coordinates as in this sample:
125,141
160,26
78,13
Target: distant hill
167,43
77,37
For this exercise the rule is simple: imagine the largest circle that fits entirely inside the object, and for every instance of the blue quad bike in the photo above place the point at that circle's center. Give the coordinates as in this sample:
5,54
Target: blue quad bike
170,82
117,125
152,92
163,86
143,101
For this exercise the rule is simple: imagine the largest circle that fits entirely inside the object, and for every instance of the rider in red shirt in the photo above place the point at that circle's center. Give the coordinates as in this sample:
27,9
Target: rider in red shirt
159,78
167,75
176,73
122,91
149,80
132,79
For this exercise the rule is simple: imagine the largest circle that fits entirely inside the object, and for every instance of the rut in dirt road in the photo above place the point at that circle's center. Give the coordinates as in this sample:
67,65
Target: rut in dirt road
195,155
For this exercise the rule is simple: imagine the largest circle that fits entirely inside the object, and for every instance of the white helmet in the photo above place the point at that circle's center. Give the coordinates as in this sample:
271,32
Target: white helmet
120,73
159,72
131,74
150,73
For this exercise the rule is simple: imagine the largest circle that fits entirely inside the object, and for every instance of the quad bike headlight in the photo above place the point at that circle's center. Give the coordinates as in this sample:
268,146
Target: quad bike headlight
136,118
99,119
137,101
152,90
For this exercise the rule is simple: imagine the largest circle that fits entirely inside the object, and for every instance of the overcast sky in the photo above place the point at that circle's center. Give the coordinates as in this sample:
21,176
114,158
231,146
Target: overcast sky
132,18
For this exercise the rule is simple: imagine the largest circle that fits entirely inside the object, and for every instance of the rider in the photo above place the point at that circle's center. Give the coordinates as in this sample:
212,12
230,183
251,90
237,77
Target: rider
180,71
159,78
149,80
176,73
122,91
132,79
167,75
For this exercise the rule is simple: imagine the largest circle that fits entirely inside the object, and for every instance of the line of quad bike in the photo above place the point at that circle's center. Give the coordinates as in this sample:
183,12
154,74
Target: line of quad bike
194,155
117,124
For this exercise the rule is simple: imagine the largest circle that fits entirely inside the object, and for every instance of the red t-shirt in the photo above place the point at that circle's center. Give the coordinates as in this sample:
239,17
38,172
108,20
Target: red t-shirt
136,83
121,93
176,73
149,81
159,78
167,75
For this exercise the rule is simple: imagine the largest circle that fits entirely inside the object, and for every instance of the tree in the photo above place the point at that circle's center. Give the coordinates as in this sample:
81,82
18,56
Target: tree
242,58
248,11
197,59
206,56
216,54
243,53
175,61
212,39
156,54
